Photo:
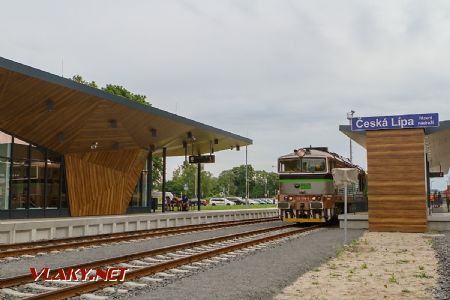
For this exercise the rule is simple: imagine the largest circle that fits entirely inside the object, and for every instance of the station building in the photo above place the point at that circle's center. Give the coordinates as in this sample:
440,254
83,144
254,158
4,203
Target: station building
67,149
400,163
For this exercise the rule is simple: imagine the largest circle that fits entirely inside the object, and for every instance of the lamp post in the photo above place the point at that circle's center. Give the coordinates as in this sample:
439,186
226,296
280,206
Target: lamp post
265,187
246,175
349,118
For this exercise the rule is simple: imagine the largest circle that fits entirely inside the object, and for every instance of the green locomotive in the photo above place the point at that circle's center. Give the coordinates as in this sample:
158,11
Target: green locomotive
306,189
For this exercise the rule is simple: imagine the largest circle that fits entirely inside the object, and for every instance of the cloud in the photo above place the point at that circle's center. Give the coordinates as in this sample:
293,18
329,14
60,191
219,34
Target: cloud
283,72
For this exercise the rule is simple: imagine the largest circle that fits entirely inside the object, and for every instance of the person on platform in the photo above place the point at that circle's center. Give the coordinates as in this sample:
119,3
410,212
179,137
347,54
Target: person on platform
185,202
168,203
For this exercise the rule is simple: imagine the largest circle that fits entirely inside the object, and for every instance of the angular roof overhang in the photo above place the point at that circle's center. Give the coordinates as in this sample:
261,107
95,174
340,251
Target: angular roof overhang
67,117
437,141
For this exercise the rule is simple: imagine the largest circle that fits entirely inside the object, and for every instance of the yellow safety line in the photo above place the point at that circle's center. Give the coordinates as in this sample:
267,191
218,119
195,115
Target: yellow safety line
303,220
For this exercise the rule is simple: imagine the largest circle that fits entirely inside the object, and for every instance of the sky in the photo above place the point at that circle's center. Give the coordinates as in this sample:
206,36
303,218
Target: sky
284,73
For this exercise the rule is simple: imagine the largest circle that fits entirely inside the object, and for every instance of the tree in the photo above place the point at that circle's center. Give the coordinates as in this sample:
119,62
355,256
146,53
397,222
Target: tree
114,89
121,91
229,183
186,175
260,183
265,184
226,183
79,79
157,172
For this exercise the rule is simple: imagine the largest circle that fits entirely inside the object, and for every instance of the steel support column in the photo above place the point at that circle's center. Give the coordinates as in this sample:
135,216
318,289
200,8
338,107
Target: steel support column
150,181
199,185
164,180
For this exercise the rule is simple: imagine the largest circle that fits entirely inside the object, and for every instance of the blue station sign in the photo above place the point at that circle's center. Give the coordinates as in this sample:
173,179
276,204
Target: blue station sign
395,122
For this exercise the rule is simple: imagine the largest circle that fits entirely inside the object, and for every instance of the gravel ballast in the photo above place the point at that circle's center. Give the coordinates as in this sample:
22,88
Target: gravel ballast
259,275
441,245
19,266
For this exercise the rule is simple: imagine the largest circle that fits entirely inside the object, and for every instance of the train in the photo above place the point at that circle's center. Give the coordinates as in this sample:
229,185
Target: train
307,193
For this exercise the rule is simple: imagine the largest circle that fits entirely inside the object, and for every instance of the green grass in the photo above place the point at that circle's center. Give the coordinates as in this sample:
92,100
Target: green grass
392,279
402,261
339,252
423,275
224,207
401,251
353,246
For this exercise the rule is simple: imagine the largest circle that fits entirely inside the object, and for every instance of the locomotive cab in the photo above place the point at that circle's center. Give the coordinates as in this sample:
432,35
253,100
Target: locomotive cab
307,193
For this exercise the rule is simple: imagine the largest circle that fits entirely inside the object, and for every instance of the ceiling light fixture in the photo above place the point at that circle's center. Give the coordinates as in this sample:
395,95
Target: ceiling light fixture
50,105
113,123
60,137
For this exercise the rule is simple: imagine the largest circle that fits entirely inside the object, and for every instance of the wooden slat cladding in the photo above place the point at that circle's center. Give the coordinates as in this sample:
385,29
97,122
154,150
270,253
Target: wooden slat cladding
102,182
79,118
397,191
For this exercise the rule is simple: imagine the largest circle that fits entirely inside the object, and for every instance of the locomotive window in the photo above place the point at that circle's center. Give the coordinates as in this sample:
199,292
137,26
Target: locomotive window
313,165
290,166
305,165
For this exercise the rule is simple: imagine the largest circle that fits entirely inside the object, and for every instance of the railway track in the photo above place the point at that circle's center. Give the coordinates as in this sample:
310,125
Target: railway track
144,265
13,250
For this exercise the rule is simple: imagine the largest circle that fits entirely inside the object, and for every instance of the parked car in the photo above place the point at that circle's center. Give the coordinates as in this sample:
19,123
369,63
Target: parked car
220,201
193,202
268,201
237,200
252,201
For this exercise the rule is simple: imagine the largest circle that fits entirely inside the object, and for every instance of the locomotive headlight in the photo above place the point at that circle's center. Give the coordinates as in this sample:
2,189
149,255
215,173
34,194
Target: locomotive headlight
290,198
313,198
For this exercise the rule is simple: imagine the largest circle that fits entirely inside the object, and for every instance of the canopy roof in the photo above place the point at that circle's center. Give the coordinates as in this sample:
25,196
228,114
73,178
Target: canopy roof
65,116
437,143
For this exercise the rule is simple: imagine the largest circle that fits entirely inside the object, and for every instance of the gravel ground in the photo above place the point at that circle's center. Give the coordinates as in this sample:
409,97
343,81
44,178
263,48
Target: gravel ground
380,265
442,246
260,275
54,260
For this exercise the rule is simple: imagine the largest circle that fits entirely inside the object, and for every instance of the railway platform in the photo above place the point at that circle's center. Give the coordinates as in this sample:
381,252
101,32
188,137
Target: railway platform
436,221
28,230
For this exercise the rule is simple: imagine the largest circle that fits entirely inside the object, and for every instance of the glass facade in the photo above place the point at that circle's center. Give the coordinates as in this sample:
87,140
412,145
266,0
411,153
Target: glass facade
139,197
32,180
5,168
139,203
33,183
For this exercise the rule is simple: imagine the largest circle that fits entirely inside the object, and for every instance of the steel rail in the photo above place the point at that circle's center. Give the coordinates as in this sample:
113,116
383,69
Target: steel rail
27,278
137,232
61,244
150,270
